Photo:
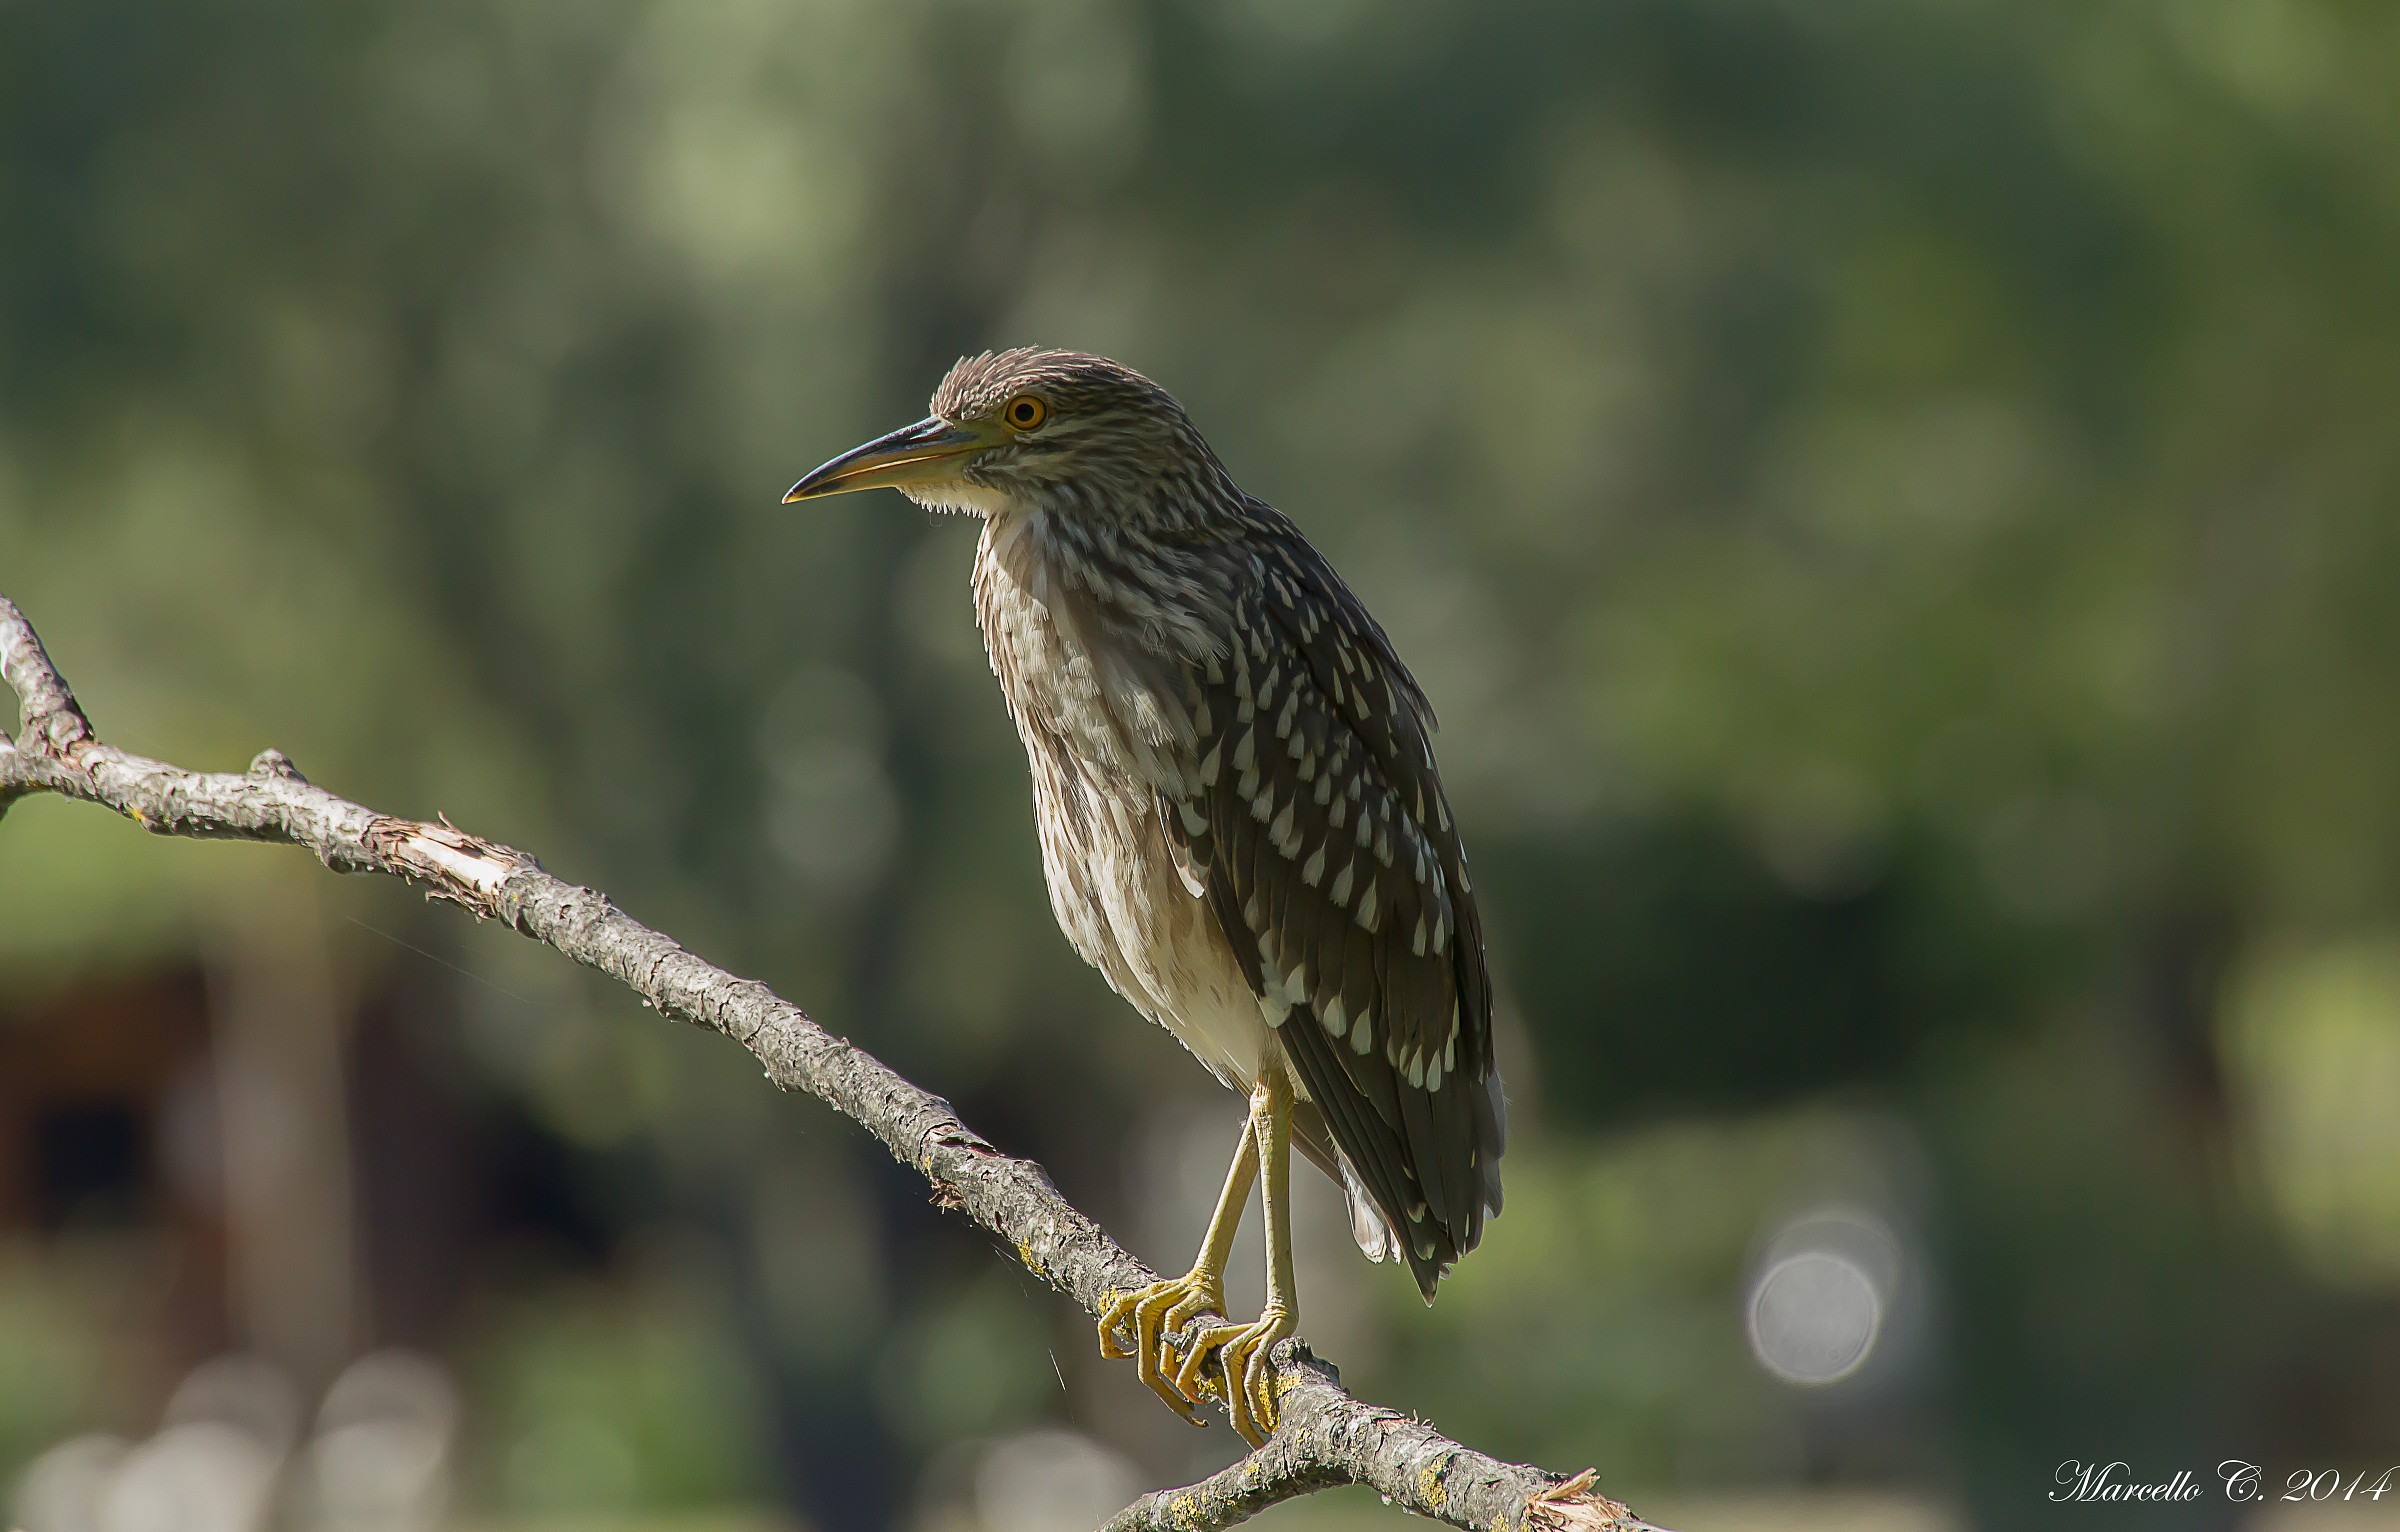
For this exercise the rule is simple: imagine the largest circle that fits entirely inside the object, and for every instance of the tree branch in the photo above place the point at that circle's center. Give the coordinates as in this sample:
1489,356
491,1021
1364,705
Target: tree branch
1325,1438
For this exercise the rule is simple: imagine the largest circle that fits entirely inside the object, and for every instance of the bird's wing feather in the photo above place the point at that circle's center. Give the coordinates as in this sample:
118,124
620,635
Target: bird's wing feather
1316,822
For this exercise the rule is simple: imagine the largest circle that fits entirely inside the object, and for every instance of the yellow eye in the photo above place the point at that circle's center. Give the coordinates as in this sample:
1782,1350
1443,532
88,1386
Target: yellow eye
1025,412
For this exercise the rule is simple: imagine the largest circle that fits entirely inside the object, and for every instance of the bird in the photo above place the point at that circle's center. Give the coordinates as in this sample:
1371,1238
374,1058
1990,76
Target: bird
1242,825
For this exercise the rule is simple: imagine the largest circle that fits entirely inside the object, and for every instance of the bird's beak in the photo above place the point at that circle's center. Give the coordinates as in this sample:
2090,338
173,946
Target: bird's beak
914,454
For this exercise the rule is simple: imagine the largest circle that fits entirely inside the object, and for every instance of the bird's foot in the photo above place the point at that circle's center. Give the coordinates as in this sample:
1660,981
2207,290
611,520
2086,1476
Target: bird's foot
1248,1373
1153,1315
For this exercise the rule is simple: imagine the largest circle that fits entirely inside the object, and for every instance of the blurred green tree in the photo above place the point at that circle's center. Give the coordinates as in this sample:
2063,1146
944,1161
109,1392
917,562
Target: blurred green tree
1894,503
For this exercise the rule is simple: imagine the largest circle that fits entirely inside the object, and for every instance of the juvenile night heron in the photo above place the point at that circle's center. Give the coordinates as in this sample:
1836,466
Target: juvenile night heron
1240,818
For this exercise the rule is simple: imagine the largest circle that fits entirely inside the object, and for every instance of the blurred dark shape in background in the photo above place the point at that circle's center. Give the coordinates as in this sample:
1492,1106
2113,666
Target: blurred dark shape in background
1895,504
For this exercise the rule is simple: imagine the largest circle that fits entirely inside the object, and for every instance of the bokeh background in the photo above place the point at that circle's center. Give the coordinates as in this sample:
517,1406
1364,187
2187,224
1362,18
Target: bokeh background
1897,505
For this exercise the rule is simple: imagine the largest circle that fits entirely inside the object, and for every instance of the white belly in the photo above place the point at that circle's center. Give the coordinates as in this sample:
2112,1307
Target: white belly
1121,903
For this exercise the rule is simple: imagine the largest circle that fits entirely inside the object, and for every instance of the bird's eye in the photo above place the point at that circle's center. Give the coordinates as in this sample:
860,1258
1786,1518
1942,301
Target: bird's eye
1025,412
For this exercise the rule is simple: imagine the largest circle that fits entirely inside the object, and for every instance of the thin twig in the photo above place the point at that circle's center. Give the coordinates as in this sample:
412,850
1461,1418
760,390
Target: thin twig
1326,1437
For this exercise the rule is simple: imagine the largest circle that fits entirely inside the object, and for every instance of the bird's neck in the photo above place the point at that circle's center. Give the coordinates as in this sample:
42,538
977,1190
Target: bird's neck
1098,571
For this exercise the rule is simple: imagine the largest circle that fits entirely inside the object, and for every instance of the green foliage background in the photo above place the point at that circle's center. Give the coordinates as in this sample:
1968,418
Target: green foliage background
1895,504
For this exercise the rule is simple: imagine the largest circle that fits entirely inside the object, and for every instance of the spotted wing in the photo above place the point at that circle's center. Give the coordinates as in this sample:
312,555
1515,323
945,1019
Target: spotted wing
1318,828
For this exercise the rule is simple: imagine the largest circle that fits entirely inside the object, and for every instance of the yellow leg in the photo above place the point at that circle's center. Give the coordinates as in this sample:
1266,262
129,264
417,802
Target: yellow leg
1241,1350
1156,1312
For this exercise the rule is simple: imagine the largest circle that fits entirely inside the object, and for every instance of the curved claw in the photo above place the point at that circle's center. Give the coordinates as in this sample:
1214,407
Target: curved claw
1249,1380
1153,1314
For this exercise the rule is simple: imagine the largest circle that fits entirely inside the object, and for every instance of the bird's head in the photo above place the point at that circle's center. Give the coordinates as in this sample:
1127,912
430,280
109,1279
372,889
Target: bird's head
1017,430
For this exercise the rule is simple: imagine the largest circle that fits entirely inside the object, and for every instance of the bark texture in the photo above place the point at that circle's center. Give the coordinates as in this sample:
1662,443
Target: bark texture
1326,1436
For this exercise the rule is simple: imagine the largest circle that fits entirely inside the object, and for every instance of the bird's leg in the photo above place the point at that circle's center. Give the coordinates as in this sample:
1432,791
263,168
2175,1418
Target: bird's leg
1241,1350
1156,1312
